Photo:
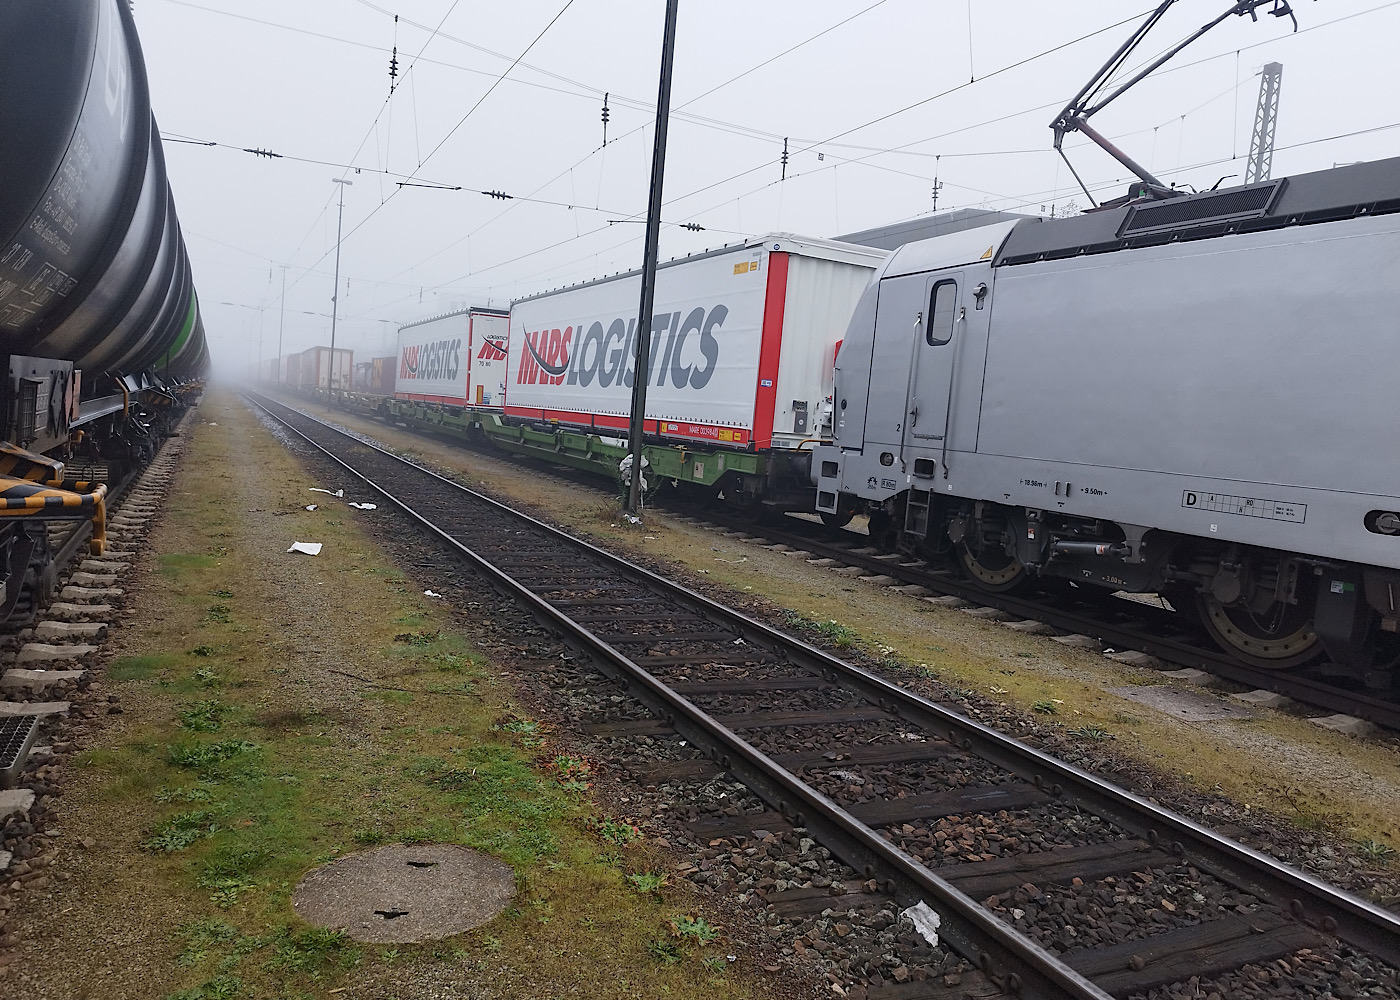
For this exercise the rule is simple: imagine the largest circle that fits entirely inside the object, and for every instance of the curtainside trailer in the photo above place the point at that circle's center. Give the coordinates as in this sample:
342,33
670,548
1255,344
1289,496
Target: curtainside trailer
740,385
742,345
456,359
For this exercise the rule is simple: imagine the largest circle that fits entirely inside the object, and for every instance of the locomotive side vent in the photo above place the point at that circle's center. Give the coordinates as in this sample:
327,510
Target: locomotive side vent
1202,210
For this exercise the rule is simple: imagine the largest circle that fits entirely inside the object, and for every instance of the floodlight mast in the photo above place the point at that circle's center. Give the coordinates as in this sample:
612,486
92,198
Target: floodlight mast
1088,102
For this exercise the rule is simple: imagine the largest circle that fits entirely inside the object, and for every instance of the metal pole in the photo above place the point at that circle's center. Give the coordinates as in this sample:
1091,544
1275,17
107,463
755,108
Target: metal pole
281,324
644,309
335,299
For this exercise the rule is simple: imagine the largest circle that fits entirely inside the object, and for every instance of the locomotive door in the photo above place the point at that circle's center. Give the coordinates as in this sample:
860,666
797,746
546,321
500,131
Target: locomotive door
945,316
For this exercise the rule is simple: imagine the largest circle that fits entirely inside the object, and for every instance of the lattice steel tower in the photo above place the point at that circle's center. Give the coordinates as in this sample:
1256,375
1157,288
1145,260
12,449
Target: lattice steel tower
1261,147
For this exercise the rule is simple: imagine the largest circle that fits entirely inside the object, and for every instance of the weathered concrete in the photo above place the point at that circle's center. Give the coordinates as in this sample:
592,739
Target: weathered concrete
43,652
1077,641
70,630
78,612
1264,699
24,708
15,802
103,566
1137,658
880,579
947,601
1030,626
851,571
1349,725
77,594
1193,676
823,563
913,590
93,579
799,554
1188,706
22,679
987,614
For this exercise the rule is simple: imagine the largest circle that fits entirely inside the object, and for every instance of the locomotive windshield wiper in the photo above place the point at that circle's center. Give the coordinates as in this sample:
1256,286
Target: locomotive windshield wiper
1075,117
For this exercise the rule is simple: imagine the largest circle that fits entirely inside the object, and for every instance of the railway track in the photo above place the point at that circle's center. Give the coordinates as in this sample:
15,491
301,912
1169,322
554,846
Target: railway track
48,692
1106,623
1033,871
1117,624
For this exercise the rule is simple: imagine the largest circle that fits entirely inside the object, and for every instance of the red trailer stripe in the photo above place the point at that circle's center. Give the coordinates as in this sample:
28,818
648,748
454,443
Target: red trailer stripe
770,351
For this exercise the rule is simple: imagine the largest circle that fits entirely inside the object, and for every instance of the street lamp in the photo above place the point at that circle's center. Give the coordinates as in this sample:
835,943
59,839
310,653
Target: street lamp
340,218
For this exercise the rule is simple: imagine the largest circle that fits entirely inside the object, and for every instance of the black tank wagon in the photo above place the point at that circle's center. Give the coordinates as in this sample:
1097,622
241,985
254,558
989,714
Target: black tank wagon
99,321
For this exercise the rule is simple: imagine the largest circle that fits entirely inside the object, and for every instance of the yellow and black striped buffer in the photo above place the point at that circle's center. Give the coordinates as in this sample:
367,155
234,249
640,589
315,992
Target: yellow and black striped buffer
17,463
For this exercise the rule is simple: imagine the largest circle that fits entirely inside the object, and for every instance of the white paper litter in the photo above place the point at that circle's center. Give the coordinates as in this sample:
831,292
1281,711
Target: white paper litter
925,921
429,593
310,506
307,548
317,489
212,424
365,506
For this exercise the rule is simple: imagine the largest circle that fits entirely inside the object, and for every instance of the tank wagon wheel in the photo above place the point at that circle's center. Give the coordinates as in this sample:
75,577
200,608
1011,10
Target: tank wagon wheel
1279,639
993,570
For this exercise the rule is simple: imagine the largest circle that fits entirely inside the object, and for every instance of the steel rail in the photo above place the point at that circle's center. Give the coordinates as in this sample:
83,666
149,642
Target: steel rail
1328,908
1317,693
1306,690
1024,965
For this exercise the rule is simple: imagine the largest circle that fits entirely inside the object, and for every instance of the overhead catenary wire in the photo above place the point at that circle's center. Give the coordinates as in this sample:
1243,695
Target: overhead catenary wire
809,144
370,131
831,142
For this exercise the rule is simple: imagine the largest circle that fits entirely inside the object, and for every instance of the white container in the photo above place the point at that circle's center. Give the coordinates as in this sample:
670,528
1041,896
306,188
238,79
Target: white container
315,368
456,359
743,342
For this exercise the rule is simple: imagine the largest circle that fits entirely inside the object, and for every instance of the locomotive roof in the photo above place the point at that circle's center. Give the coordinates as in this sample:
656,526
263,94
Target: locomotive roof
1323,196
952,250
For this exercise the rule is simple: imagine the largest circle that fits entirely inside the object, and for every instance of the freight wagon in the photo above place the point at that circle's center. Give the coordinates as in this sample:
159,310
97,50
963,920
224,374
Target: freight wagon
740,382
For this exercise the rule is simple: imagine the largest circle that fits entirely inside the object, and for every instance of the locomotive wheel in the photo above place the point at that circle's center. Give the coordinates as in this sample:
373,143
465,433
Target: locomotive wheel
1279,639
838,520
993,571
883,533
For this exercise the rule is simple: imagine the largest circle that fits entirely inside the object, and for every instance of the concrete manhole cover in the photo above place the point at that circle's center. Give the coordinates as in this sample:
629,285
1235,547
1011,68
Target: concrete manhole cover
402,895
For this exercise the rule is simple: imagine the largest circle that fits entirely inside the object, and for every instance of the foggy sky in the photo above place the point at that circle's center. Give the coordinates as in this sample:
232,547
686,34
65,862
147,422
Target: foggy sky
310,80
